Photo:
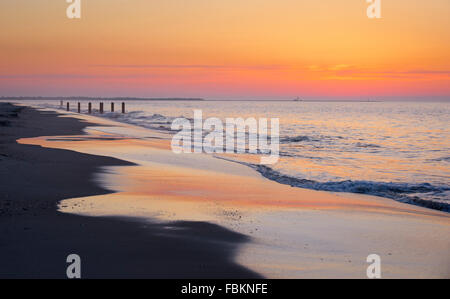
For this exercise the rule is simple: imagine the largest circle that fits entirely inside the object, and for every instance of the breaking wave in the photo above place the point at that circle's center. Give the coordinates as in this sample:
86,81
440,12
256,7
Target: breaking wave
403,192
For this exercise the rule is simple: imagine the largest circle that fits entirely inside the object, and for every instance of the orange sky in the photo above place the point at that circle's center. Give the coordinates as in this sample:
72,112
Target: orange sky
258,49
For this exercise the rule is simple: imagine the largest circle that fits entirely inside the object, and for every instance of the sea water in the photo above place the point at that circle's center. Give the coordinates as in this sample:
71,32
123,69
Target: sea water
398,150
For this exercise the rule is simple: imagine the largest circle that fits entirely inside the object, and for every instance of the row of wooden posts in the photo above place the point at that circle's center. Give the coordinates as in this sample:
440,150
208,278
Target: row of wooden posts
90,107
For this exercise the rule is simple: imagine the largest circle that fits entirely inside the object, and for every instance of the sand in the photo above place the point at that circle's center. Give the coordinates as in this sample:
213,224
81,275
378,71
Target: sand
179,206
35,238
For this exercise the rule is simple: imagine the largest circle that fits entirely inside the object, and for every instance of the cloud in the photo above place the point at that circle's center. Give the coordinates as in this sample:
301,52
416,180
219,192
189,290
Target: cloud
187,66
349,70
63,76
407,72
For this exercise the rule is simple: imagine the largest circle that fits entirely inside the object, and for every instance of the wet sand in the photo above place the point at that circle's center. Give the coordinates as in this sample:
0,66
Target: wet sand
36,238
286,232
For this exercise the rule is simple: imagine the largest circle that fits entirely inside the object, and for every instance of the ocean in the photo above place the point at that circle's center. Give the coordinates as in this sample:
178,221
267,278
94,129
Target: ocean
398,150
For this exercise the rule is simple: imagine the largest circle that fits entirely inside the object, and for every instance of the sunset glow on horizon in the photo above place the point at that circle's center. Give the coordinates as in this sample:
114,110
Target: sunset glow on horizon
252,49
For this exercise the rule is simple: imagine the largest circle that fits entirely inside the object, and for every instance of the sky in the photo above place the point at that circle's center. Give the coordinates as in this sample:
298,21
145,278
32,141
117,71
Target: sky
226,49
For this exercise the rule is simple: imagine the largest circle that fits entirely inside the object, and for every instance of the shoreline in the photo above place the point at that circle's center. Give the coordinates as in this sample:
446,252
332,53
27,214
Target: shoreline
418,193
36,238
269,228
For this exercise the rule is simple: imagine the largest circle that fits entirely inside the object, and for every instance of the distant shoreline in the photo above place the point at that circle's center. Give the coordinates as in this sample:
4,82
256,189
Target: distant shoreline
84,98
96,98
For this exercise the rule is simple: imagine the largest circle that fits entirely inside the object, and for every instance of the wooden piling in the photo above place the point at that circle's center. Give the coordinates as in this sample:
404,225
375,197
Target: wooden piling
61,104
101,107
123,107
112,107
68,106
90,108
79,107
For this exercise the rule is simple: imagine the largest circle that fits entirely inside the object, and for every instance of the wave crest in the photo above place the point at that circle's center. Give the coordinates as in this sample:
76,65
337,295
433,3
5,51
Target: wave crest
403,192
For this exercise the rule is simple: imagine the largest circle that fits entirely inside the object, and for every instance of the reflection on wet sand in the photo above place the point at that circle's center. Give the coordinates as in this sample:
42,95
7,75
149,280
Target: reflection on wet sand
295,232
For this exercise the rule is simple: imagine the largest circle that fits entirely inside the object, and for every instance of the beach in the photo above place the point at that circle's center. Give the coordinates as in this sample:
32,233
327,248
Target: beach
74,183
36,239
